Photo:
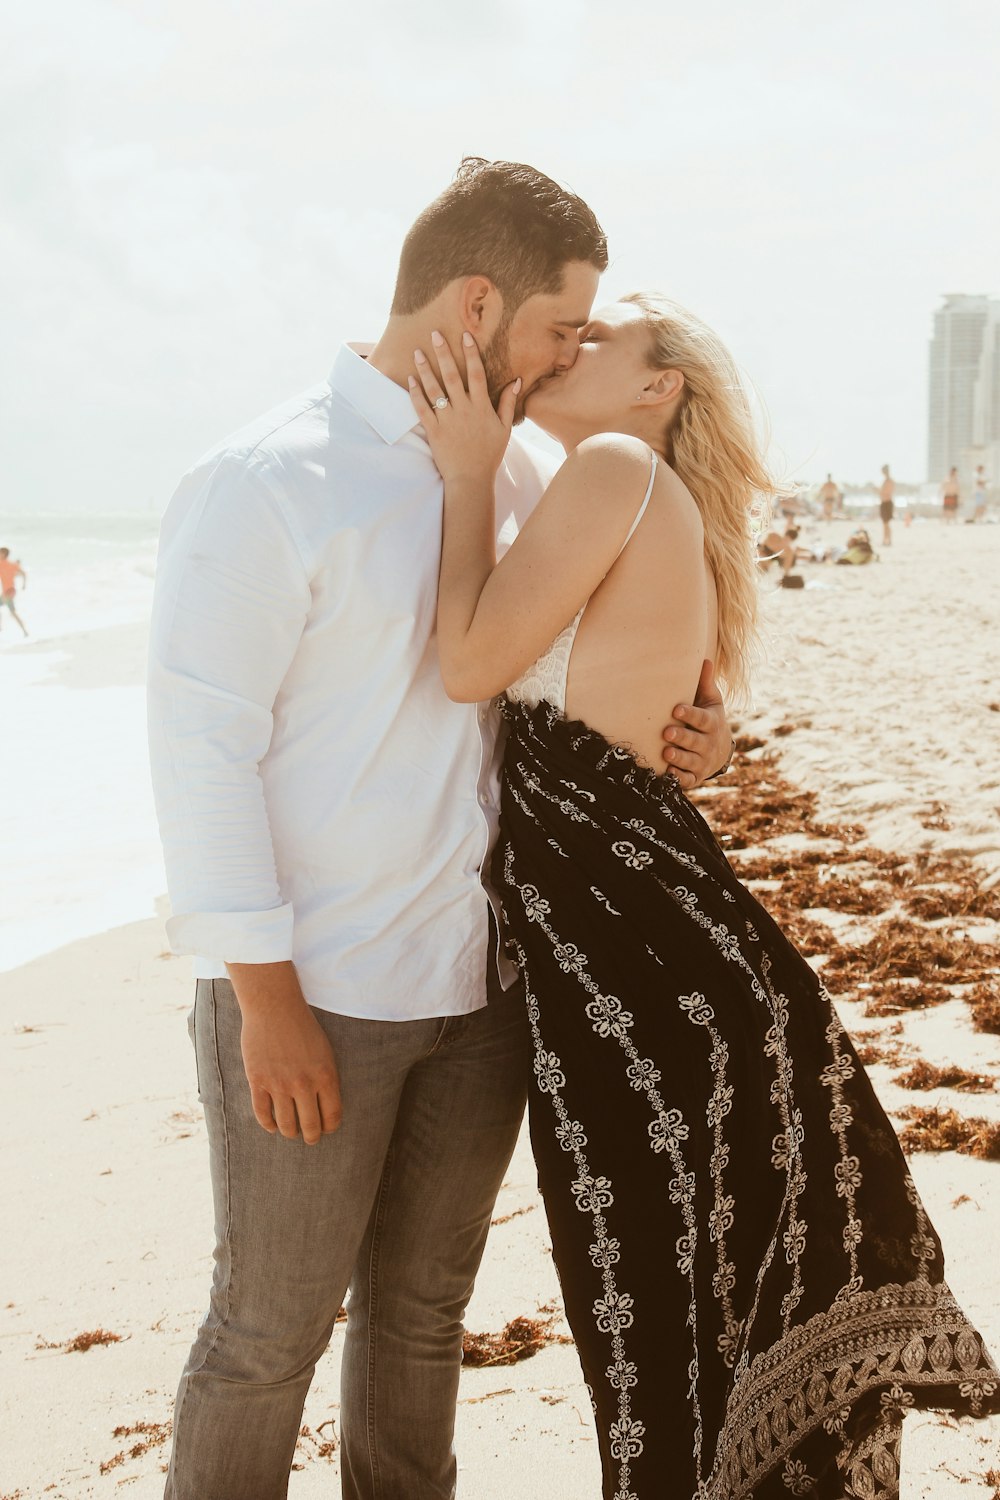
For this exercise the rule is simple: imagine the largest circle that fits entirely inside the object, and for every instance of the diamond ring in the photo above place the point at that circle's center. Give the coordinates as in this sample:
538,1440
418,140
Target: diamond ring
442,402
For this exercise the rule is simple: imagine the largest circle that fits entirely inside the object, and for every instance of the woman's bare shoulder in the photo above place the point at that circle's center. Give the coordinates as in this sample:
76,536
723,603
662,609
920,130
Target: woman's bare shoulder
609,466
617,452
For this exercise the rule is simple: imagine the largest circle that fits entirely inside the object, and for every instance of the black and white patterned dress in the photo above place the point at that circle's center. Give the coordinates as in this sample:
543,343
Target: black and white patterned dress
754,1287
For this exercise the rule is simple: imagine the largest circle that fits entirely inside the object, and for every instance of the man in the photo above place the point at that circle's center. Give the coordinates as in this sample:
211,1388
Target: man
10,572
830,496
887,505
327,815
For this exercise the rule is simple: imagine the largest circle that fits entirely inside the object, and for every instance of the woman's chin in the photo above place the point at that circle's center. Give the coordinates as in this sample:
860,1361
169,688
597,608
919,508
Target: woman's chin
539,407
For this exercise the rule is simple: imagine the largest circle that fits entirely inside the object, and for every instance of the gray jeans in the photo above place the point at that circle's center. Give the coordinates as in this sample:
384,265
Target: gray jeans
395,1206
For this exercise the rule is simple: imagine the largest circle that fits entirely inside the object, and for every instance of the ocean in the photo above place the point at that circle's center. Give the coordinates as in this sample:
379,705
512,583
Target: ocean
83,571
79,849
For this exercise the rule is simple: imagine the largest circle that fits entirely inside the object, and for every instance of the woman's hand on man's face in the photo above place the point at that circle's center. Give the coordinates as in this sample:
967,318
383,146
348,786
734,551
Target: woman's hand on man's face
467,437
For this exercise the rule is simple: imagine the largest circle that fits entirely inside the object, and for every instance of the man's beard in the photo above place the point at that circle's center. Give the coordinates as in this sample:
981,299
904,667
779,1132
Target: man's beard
496,364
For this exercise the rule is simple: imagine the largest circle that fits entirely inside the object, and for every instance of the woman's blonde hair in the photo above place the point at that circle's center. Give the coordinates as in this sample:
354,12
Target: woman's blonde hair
713,447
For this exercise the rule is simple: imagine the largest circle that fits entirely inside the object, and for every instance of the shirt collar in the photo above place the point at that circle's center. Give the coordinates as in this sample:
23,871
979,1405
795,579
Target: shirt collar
384,405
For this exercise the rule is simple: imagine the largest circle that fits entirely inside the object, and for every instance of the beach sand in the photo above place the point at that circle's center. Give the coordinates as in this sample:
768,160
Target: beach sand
886,675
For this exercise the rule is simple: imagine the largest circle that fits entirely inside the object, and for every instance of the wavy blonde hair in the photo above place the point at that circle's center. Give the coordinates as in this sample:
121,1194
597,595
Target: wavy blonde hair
712,445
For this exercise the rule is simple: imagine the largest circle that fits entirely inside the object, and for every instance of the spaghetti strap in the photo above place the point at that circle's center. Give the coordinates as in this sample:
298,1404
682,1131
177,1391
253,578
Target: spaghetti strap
642,509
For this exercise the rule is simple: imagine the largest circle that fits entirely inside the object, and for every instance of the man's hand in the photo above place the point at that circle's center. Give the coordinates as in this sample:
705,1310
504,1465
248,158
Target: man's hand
700,744
288,1059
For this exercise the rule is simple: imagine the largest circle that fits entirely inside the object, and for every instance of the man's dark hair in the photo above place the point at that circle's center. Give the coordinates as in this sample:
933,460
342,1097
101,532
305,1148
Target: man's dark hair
502,220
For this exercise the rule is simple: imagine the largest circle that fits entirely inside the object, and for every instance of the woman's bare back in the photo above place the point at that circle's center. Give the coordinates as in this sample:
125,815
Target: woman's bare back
647,628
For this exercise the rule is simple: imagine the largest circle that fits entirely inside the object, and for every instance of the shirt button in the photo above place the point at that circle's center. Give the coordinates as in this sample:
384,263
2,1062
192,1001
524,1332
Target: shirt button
483,715
484,798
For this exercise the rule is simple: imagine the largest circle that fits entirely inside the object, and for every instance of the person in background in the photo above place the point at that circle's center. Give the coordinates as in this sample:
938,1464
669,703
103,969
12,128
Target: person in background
950,494
887,505
778,547
9,574
859,549
979,494
831,497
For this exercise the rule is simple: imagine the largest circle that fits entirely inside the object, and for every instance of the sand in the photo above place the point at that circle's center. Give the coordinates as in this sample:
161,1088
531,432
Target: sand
890,674
886,674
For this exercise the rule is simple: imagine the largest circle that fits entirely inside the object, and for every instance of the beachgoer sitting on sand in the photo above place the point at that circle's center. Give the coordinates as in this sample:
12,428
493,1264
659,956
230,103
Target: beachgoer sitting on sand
779,548
859,549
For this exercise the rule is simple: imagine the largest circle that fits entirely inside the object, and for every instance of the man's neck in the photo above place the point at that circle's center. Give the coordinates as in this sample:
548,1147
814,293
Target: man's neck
393,353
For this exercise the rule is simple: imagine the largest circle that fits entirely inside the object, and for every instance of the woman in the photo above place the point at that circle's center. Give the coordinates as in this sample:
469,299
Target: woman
754,1288
887,505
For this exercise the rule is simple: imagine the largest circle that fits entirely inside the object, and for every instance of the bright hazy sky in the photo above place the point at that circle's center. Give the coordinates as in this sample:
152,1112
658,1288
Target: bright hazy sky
202,198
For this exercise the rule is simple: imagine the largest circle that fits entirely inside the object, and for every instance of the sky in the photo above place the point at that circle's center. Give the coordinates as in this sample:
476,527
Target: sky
200,199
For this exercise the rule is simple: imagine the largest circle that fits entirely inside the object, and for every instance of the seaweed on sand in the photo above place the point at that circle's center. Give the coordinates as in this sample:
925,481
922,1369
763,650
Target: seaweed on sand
932,1129
896,996
81,1342
901,949
984,1000
925,1075
519,1339
150,1434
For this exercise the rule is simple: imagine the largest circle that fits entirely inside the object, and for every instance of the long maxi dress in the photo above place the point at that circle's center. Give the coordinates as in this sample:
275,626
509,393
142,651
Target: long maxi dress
754,1287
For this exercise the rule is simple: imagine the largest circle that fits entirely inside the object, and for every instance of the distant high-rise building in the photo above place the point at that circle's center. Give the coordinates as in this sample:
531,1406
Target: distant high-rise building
956,367
986,400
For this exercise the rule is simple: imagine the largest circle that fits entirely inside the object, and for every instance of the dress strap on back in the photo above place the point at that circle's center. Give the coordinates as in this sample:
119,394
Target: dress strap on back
642,509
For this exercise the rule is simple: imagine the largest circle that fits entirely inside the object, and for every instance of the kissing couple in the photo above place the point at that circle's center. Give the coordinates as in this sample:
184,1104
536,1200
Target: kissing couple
424,709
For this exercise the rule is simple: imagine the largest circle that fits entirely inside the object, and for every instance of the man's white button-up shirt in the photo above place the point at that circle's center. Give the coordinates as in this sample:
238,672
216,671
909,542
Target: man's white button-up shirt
320,797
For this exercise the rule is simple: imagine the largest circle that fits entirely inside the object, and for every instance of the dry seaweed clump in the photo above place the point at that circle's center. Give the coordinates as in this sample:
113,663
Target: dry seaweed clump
835,893
886,1047
984,1000
775,865
931,1129
313,1445
903,950
150,1434
900,995
81,1342
756,803
947,886
925,1075
519,1339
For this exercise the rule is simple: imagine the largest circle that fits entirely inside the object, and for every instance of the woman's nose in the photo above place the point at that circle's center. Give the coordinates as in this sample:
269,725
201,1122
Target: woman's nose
568,352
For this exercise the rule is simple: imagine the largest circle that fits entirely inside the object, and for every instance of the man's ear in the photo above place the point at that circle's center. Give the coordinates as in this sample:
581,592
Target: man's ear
666,385
480,307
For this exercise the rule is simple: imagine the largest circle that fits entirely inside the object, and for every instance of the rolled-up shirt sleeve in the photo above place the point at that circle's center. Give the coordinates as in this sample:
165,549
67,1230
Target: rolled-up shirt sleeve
230,604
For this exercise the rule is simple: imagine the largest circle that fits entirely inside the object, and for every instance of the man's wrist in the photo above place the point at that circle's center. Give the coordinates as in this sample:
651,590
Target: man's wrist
723,768
262,988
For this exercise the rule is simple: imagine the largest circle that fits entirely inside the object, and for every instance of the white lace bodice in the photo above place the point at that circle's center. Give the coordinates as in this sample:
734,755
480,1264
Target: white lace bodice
545,680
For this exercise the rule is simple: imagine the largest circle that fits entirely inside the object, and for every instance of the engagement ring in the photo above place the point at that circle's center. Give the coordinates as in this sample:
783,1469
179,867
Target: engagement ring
442,402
